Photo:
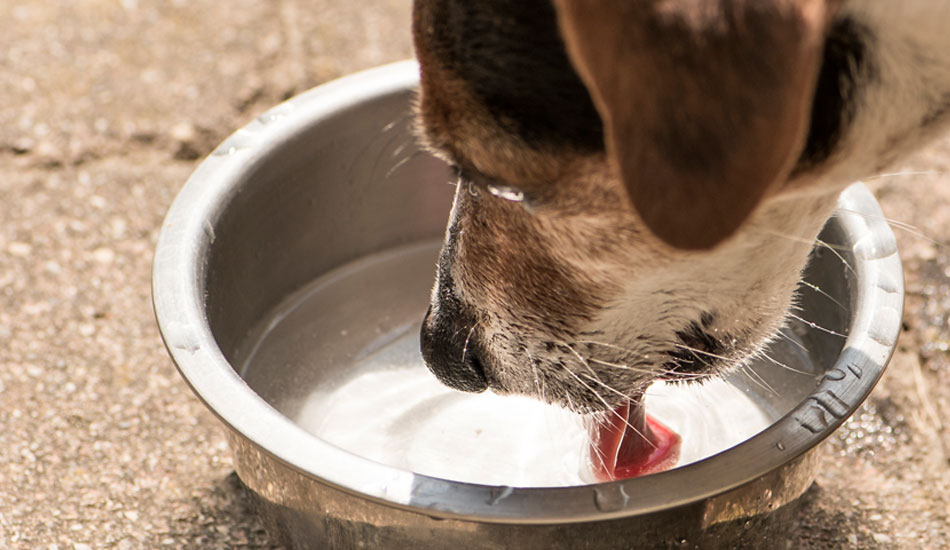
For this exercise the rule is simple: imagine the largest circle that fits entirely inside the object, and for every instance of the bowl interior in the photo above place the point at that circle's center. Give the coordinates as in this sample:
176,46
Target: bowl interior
355,187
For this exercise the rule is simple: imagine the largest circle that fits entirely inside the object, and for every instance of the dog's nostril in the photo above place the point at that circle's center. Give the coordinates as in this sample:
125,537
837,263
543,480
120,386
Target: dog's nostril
451,352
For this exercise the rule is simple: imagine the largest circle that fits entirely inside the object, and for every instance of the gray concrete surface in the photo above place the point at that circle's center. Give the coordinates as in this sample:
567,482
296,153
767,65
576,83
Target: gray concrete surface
105,107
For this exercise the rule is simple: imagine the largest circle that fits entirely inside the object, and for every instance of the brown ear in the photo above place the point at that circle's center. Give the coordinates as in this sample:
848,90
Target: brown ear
705,102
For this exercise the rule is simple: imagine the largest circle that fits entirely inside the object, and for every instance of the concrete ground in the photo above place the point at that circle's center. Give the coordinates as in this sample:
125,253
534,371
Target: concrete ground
106,106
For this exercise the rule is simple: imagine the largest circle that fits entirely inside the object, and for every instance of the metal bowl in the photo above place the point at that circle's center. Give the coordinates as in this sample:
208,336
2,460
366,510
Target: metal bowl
332,176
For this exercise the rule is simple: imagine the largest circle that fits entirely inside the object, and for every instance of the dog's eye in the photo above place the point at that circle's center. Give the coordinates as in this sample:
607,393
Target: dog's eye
505,192
493,186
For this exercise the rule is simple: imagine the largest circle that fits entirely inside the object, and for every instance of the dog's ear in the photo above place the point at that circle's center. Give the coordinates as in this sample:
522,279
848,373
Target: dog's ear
705,103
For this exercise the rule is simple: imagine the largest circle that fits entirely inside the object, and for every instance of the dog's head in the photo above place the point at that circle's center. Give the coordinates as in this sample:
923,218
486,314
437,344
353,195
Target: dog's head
636,193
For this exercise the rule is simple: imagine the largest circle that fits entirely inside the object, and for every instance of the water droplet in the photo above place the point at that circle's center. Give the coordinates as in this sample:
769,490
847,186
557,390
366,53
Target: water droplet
887,283
780,446
886,323
209,231
181,336
499,494
875,246
223,151
610,498
239,141
277,113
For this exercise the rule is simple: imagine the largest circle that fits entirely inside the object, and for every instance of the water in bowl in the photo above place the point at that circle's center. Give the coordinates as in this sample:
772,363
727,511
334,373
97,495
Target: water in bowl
341,358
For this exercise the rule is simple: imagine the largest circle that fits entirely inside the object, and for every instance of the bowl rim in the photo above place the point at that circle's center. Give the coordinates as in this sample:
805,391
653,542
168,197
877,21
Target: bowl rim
179,269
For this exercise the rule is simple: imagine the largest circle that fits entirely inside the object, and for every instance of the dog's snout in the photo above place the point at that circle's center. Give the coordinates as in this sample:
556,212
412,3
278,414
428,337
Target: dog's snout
451,350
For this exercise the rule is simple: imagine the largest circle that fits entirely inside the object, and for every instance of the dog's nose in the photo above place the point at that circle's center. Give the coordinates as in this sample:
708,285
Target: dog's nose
451,351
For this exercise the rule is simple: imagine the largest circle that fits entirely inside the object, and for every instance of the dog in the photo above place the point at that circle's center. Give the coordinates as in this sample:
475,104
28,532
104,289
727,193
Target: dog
640,182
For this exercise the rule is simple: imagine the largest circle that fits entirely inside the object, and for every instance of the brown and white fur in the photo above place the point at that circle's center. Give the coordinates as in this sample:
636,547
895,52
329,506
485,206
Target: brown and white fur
640,183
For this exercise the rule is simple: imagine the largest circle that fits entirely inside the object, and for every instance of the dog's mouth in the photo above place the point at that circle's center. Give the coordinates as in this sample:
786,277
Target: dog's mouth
625,441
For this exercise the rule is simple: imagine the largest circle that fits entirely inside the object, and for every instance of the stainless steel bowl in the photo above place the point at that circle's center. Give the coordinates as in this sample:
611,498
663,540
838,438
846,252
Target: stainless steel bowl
332,176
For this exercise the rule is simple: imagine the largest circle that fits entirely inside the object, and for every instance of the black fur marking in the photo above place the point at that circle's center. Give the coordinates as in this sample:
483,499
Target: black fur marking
699,352
938,114
512,58
846,65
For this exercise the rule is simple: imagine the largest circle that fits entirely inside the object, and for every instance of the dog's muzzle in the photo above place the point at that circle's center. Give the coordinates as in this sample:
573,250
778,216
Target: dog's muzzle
451,348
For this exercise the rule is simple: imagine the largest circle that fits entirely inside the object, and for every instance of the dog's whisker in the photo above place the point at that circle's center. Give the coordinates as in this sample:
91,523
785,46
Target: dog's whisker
778,363
748,367
816,326
618,366
757,379
605,385
906,227
838,247
402,162
578,355
803,240
399,149
391,125
699,356
592,443
834,250
595,378
651,370
387,145
792,340
906,173
701,352
627,351
823,293
705,360
793,238
570,404
607,345
538,381
609,409
654,369
468,338
586,362
593,391
627,423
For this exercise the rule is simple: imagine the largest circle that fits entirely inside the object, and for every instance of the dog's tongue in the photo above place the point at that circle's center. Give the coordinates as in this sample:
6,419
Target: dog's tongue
629,443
